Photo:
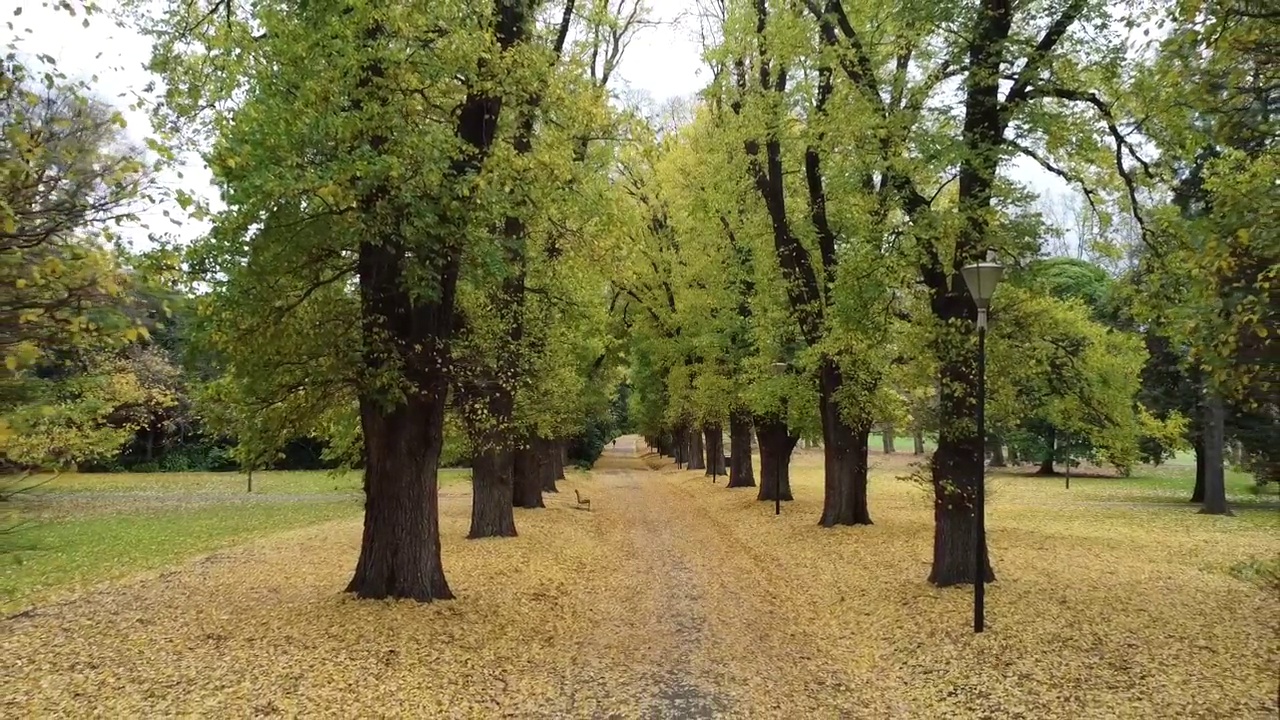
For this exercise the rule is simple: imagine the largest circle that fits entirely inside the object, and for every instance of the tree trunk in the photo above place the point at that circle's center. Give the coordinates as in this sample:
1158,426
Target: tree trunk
487,407
680,447
886,440
957,461
844,451
400,547
1215,488
917,438
492,490
1197,493
1051,448
527,485
713,445
547,454
694,451
996,447
740,474
562,458
776,445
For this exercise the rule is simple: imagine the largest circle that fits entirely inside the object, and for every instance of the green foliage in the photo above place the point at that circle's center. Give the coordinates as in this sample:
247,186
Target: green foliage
1051,366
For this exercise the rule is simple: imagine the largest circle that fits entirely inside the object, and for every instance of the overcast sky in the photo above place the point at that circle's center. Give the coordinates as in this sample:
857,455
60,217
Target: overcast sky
663,61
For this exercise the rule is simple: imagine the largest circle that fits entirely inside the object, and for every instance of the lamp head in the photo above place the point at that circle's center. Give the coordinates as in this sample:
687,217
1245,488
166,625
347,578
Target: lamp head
982,279
779,368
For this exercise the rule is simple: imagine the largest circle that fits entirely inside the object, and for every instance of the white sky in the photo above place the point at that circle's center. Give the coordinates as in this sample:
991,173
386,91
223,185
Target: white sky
663,61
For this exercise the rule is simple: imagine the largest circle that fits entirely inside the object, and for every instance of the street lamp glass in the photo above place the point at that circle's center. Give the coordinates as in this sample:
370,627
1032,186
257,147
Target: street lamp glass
779,368
982,278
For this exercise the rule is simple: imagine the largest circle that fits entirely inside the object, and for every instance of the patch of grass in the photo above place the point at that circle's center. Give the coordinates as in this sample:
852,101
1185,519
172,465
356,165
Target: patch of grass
77,529
1156,485
268,482
69,552
1263,572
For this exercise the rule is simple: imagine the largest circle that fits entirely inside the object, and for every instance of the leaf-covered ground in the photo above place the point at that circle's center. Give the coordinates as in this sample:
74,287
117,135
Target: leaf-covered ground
678,598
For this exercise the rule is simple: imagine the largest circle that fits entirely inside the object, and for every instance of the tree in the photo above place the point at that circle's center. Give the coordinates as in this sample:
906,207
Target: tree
337,233
1207,270
66,179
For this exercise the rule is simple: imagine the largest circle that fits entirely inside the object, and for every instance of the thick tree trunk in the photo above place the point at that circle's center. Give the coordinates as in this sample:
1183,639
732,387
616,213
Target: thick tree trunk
776,445
527,487
844,450
957,461
492,488
400,547
1197,493
547,454
562,458
713,447
1051,448
487,406
917,438
996,447
680,447
1215,488
886,440
740,474
694,450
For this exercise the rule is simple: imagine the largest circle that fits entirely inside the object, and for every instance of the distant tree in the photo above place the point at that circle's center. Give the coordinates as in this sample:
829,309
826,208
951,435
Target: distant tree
67,178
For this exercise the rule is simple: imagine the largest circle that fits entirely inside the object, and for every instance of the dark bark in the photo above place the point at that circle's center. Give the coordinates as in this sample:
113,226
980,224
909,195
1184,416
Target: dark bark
740,472
886,440
694,450
492,488
1197,494
995,446
917,439
492,463
562,458
844,450
527,485
1050,443
400,546
776,445
713,447
1215,488
957,461
546,455
680,446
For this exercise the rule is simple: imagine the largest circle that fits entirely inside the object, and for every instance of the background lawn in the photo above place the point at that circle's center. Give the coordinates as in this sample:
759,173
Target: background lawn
75,530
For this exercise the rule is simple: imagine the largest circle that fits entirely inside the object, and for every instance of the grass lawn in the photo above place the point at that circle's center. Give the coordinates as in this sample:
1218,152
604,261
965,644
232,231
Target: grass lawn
80,529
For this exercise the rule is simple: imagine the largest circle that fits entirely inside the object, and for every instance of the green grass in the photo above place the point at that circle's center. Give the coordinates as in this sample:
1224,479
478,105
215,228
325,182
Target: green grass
81,529
270,482
1165,484
76,551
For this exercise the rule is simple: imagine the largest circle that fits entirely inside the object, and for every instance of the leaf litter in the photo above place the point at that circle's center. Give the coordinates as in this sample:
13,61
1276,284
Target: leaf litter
678,598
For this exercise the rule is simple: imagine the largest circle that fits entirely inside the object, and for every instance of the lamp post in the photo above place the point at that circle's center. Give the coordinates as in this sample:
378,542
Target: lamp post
779,369
981,279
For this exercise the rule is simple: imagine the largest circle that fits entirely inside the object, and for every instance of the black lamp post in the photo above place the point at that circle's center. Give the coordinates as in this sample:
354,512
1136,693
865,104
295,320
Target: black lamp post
779,369
981,279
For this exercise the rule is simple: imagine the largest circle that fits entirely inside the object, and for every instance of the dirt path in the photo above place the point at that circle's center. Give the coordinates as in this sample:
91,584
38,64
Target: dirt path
669,599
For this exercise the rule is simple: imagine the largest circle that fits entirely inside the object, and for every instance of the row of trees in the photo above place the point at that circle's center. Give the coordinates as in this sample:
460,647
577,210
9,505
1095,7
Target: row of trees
418,200
810,214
